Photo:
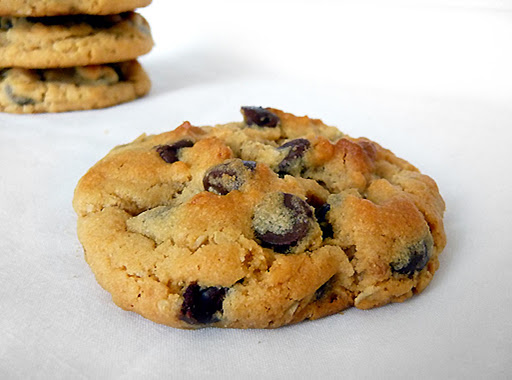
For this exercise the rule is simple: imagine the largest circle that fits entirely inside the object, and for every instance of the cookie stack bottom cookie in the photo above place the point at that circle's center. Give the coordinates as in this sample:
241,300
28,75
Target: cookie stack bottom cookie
52,63
71,89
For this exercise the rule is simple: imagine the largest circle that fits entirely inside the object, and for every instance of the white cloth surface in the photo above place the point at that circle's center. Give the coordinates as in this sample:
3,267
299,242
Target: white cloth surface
430,81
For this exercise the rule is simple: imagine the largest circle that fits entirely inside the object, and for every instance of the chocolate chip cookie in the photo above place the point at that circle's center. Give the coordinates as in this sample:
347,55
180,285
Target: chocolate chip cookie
70,89
68,7
68,41
257,224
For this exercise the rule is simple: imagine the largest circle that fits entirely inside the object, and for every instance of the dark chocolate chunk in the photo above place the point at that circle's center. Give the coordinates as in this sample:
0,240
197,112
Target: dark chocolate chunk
182,144
18,99
292,163
226,177
260,116
296,204
321,217
281,220
416,258
202,305
169,153
251,165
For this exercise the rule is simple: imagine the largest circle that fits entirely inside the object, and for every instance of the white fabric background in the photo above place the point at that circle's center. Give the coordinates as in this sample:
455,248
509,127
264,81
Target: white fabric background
430,80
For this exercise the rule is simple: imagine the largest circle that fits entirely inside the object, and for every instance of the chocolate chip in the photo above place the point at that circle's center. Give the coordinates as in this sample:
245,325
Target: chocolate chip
251,165
260,116
18,99
325,289
321,212
182,144
281,220
169,153
202,305
296,204
226,177
292,163
321,217
5,23
415,259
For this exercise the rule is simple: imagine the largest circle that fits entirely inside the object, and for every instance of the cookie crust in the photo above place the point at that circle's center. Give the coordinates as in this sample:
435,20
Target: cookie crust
66,41
42,8
349,224
71,89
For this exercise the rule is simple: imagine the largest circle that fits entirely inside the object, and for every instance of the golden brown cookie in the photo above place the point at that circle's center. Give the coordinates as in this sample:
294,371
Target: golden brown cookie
67,41
41,8
71,89
257,224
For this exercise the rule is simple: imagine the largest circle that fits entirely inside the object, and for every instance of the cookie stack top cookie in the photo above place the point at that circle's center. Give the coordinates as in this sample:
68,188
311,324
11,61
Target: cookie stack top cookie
37,36
42,8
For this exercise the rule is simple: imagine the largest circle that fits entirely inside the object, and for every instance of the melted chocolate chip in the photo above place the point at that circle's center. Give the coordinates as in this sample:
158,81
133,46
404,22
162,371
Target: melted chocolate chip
321,217
169,153
202,305
224,178
416,258
18,99
281,220
292,163
260,116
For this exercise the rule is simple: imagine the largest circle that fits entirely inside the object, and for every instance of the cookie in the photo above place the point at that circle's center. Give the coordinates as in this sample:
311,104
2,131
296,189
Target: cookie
41,8
70,89
68,41
257,224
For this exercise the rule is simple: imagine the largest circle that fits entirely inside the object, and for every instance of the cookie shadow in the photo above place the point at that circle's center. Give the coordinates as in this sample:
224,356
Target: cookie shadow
182,69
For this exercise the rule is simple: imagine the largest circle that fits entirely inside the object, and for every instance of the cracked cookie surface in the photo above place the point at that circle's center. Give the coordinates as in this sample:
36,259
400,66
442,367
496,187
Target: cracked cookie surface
71,89
65,41
69,7
257,224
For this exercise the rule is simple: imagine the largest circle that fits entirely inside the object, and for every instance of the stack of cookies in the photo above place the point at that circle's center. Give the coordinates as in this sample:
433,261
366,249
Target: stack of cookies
67,55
